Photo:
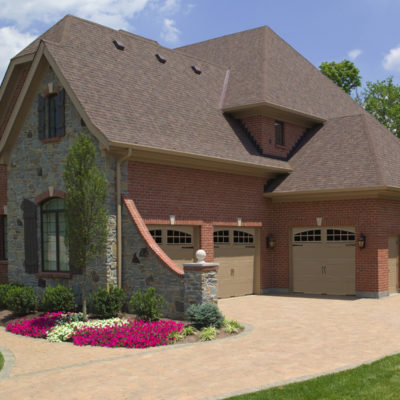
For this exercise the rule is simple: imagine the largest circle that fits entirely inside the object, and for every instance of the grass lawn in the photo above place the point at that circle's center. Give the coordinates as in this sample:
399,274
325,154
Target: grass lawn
379,380
1,361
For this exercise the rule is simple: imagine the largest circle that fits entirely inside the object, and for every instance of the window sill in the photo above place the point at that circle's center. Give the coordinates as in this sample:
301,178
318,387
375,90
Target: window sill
60,275
279,146
52,140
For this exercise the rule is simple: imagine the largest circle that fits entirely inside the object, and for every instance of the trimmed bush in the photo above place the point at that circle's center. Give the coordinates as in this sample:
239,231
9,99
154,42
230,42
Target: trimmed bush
147,305
22,300
58,298
204,315
4,288
107,304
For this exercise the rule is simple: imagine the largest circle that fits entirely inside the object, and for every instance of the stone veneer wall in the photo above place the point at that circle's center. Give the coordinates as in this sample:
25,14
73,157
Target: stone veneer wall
30,154
141,269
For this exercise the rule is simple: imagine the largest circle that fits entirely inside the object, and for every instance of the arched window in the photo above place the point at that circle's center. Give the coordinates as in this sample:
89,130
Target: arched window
54,252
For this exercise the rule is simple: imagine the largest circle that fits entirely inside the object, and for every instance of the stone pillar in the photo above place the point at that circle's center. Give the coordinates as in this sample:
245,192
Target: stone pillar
200,281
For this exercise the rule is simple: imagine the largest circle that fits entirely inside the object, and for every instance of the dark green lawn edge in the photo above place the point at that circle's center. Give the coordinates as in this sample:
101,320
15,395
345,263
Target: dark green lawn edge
8,363
334,384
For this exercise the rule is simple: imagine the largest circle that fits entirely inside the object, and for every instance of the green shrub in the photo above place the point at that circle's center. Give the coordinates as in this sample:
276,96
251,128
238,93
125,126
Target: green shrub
22,300
3,293
208,333
232,326
58,298
206,314
107,304
188,330
147,305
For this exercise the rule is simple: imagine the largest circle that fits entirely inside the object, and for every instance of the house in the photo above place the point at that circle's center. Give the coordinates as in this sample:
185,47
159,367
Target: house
236,145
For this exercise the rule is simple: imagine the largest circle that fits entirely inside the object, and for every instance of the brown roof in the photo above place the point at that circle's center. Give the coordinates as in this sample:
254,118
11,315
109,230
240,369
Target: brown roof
347,152
266,69
133,98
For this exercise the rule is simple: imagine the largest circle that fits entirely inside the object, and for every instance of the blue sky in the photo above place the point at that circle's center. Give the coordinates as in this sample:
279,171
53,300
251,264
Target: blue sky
365,31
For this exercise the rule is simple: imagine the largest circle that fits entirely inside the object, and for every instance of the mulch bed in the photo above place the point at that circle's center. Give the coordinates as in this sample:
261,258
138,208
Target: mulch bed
8,316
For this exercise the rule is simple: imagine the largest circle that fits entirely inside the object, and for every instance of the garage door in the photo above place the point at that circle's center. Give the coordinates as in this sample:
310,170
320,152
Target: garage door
235,251
178,242
323,260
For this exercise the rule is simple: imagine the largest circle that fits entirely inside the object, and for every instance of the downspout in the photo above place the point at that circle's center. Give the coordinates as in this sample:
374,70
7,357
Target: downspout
119,217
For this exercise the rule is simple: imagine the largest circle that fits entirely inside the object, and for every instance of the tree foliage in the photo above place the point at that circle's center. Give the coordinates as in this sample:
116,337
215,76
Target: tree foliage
382,100
85,207
344,73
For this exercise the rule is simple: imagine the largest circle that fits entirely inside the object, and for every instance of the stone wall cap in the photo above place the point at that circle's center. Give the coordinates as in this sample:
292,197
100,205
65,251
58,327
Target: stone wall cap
201,264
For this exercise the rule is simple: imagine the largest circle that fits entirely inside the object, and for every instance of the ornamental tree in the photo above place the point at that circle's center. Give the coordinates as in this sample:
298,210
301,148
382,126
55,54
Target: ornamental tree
382,100
344,73
85,208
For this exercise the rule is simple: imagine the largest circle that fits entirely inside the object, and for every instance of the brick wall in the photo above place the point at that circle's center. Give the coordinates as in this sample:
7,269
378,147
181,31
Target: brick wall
376,219
208,198
197,197
263,131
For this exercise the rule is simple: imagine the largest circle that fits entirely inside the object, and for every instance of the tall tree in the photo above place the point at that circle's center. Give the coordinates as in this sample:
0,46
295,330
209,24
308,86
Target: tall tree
344,73
85,208
382,100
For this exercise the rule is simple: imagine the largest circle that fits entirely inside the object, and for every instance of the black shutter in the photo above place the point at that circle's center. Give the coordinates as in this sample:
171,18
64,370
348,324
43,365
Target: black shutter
41,117
60,123
30,236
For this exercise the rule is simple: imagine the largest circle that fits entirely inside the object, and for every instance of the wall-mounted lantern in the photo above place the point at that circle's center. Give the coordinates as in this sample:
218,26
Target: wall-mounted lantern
270,242
172,219
361,241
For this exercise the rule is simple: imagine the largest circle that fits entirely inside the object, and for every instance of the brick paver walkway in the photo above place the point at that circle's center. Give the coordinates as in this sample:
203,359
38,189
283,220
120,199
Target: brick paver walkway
291,337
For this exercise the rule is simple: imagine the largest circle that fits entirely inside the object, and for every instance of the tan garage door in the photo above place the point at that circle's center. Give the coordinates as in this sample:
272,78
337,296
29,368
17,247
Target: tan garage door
235,251
323,260
178,242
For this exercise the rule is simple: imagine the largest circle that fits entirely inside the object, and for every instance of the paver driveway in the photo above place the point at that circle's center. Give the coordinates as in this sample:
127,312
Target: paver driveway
291,337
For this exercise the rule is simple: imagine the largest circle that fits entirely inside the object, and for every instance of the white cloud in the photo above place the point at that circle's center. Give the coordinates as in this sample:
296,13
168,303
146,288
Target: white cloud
353,54
170,33
116,13
170,6
391,61
11,42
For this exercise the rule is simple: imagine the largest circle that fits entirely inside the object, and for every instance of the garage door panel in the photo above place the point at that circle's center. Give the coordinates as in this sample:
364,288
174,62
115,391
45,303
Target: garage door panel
236,260
326,266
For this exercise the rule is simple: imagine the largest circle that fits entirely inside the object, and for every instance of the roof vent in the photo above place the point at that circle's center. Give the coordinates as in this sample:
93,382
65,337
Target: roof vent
197,70
161,59
119,45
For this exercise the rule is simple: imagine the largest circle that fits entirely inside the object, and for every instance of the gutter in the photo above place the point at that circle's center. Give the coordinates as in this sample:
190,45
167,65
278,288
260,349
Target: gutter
119,216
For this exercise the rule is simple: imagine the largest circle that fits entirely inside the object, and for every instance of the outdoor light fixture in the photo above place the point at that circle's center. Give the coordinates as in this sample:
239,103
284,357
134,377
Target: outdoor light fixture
270,242
319,221
361,241
239,221
172,219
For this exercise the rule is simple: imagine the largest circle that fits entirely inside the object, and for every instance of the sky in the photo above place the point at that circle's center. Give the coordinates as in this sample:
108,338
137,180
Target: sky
363,31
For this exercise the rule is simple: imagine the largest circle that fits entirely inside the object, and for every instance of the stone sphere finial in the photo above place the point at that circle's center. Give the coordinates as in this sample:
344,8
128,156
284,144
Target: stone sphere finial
200,255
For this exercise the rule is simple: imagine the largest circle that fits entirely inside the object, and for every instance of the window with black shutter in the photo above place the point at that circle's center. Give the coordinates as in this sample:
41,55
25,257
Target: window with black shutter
51,115
3,237
54,252
30,236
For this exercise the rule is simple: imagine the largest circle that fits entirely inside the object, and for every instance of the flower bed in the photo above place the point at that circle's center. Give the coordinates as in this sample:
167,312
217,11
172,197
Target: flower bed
35,327
116,332
138,334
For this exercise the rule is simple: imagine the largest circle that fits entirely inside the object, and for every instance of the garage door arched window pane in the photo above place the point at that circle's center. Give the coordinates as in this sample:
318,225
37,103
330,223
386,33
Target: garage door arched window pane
178,237
221,236
308,236
54,252
338,235
242,237
157,235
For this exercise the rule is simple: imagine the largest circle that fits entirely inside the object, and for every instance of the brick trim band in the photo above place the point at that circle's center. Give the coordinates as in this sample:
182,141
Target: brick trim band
144,232
201,269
